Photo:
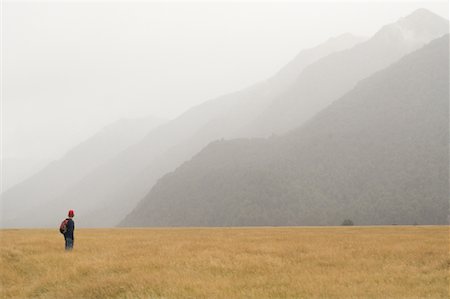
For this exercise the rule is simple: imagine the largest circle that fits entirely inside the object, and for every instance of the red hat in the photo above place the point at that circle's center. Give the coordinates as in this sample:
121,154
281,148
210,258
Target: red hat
71,213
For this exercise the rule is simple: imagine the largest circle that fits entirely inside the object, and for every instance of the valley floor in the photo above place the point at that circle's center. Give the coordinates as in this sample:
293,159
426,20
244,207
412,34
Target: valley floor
288,262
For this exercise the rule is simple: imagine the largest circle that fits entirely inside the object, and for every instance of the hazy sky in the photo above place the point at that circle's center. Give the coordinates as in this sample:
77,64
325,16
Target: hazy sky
70,68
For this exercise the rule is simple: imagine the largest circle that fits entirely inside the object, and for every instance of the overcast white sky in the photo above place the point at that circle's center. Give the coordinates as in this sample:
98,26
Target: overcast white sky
70,68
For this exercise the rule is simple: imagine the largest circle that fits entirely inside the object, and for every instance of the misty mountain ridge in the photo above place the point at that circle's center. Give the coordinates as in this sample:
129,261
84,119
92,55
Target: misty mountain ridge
378,155
331,77
111,190
292,70
411,27
311,82
360,61
75,164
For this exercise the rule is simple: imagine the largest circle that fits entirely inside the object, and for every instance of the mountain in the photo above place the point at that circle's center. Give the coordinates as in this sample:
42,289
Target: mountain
377,155
108,192
299,96
331,77
57,176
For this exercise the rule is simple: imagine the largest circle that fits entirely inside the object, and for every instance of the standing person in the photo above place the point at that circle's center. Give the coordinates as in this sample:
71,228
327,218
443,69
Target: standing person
67,228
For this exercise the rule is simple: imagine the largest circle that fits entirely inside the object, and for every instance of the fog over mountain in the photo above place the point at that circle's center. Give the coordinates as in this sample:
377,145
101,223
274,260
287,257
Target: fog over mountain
377,155
331,77
105,191
60,174
72,67
234,120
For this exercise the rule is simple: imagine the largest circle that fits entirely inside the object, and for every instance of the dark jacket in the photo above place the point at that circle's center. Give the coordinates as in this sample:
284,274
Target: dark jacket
70,229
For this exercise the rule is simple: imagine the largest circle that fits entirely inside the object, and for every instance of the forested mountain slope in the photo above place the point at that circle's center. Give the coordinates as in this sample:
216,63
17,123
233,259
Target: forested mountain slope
378,155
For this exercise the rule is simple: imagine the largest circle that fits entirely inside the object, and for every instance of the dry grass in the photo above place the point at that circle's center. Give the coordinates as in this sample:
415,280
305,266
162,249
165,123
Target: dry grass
341,262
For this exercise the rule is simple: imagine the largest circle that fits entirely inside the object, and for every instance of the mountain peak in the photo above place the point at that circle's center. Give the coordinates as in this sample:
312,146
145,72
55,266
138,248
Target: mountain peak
419,27
422,14
423,19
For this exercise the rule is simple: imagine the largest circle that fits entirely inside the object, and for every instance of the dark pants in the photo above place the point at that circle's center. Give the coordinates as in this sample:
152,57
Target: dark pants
69,243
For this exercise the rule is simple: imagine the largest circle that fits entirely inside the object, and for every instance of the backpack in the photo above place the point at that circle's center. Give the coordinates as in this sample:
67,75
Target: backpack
63,226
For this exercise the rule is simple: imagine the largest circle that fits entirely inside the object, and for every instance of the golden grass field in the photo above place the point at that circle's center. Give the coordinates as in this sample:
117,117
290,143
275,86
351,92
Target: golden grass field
303,262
